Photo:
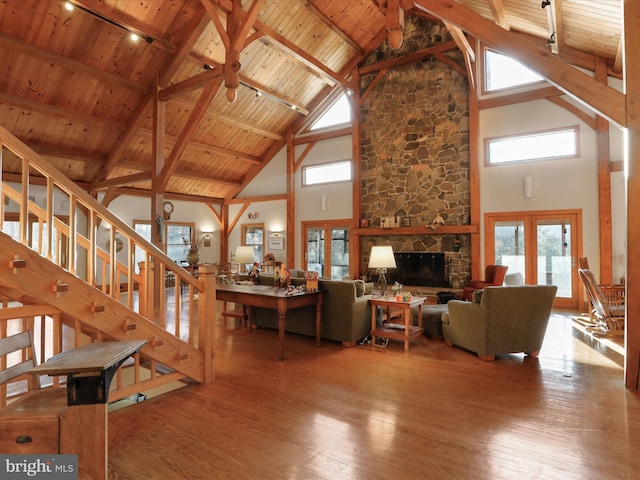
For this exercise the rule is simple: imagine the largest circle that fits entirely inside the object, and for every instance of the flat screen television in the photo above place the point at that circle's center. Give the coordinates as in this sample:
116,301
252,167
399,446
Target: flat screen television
423,269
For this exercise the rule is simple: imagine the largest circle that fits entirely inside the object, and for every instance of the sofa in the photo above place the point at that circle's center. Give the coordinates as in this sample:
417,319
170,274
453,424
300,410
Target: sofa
500,320
346,313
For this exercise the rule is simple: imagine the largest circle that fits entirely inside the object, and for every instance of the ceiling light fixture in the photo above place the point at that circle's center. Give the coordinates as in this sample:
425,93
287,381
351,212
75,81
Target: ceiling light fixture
68,6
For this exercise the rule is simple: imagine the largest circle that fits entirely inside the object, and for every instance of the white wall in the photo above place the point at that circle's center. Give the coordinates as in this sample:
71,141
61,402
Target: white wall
570,183
558,184
139,208
272,180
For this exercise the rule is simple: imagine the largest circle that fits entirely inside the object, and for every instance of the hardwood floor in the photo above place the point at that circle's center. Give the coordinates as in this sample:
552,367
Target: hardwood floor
432,412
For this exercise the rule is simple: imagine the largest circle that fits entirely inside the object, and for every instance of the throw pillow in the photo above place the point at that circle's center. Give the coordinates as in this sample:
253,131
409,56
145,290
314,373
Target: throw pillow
359,287
368,288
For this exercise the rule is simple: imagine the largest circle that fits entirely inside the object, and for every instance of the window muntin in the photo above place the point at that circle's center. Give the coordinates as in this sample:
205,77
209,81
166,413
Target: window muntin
326,173
545,145
502,72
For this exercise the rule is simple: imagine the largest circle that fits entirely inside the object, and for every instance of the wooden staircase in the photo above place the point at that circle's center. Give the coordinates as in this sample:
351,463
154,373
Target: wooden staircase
57,281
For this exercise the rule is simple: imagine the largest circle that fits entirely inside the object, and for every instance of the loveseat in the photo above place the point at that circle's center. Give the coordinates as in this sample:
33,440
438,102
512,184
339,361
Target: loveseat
500,320
346,313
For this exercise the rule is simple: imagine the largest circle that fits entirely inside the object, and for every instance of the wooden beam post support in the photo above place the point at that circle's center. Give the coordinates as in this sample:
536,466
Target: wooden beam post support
632,89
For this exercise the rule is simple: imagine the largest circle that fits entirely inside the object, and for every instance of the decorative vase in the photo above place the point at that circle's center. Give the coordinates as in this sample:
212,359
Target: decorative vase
193,257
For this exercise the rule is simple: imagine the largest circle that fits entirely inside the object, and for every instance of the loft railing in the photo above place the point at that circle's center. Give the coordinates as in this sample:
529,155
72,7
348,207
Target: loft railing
43,209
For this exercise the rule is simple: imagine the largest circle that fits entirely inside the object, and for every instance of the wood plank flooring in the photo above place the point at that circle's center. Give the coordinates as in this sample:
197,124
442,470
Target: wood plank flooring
432,412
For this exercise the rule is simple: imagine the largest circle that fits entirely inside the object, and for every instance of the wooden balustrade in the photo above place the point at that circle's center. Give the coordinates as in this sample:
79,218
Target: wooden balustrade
70,240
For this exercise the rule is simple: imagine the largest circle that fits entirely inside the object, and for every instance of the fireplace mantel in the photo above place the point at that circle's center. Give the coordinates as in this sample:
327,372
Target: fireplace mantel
423,230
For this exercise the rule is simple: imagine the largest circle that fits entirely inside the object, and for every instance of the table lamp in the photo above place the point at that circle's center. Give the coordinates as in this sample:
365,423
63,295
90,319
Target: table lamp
381,258
243,256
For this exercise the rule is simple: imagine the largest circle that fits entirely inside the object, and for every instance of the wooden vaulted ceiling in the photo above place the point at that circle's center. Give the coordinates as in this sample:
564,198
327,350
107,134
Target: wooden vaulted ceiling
77,89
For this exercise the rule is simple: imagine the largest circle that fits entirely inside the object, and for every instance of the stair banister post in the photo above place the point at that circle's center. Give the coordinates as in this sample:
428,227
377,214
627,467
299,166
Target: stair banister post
207,319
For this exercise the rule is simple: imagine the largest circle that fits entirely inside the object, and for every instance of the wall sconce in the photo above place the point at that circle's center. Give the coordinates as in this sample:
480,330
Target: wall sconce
276,234
527,186
206,238
323,203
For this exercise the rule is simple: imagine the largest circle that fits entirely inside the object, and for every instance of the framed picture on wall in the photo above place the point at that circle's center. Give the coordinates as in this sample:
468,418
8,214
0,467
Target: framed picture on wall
275,243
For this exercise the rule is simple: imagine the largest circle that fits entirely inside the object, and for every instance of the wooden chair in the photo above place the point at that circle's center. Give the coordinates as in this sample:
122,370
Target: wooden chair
30,422
606,305
493,277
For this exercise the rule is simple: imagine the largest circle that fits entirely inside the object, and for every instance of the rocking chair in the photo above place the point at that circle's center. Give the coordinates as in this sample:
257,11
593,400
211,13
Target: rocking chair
607,303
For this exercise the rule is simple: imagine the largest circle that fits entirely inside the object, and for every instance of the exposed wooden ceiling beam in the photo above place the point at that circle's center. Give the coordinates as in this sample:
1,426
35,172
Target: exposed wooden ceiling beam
249,127
166,72
467,50
499,14
408,58
208,148
271,94
136,192
607,101
108,15
182,173
189,84
190,127
57,112
70,64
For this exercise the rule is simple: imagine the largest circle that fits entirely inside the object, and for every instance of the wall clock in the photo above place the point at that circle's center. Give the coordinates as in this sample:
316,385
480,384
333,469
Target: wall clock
167,208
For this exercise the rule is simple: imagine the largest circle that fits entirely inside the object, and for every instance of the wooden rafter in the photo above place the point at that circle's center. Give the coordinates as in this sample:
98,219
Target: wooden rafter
467,50
233,38
190,127
605,100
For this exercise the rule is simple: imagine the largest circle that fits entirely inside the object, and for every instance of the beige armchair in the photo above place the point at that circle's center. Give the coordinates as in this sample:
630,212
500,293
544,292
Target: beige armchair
502,320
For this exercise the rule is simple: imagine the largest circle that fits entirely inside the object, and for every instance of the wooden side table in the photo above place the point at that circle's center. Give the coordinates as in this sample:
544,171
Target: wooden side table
405,331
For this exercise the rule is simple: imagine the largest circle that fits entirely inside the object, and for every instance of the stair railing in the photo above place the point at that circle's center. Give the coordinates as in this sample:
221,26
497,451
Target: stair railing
63,227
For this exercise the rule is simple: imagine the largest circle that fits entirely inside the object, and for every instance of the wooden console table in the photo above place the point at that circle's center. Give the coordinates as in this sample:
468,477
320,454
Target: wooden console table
84,427
273,298
405,332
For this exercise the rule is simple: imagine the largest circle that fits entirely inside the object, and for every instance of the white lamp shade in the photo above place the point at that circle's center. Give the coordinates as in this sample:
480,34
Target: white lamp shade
244,254
382,257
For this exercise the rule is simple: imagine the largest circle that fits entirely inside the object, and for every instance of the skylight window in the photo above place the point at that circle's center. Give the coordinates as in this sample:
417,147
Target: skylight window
338,114
504,72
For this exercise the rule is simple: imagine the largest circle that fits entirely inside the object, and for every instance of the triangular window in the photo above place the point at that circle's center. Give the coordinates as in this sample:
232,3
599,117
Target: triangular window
504,72
338,114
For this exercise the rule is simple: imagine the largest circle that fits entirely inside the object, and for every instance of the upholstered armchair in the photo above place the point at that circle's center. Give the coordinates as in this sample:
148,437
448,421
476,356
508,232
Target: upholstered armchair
500,320
493,276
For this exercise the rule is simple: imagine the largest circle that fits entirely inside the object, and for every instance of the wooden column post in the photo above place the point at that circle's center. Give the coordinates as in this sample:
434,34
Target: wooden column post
632,89
207,320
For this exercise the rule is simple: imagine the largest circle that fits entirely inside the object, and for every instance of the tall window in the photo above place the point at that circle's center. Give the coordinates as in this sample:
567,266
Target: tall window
253,235
502,72
177,238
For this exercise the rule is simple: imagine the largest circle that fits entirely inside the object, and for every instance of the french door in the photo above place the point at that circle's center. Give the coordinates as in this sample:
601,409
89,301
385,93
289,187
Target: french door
542,246
326,249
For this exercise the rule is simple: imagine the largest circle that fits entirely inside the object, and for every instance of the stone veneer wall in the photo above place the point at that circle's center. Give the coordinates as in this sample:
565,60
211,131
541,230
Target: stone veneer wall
415,148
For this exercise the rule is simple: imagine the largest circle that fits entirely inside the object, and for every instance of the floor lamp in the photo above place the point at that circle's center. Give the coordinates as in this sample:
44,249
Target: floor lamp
381,258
